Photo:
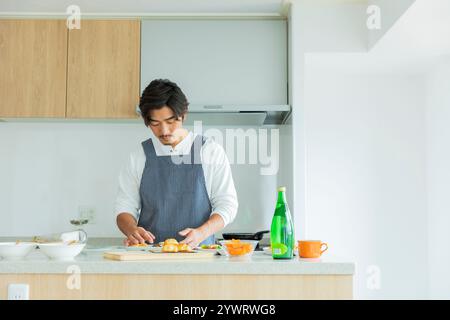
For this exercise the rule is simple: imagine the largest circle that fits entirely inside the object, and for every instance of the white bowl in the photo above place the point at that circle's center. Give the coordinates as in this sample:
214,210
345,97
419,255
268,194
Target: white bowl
16,251
61,251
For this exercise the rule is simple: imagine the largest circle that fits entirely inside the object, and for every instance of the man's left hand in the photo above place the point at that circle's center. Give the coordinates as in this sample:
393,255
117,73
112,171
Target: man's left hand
193,236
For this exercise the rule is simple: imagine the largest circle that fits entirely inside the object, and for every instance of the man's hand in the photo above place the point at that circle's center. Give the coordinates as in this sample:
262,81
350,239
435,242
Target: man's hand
139,235
193,236
128,225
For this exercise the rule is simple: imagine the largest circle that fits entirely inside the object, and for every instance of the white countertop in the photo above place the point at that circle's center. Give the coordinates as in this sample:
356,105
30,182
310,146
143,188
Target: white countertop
92,262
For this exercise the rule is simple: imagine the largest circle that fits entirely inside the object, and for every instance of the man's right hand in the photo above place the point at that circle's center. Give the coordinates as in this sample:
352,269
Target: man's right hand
135,235
139,235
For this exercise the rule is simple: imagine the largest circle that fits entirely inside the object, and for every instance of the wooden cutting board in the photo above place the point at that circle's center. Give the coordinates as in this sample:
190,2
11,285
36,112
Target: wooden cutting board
147,255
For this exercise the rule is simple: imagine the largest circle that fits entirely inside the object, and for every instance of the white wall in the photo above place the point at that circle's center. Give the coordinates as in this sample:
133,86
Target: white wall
365,172
48,169
336,26
315,26
438,183
359,152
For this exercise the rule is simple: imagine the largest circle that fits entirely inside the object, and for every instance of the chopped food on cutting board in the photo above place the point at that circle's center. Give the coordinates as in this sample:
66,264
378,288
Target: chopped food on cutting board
172,245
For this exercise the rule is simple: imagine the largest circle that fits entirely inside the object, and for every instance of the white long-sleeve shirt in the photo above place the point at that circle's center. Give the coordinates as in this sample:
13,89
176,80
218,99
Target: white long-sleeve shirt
216,169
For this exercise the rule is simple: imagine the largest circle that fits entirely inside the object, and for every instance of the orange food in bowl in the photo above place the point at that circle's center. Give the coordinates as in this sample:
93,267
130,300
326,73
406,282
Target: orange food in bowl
238,248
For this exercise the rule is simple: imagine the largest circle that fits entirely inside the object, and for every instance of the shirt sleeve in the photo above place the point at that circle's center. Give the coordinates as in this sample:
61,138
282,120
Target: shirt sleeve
128,198
223,197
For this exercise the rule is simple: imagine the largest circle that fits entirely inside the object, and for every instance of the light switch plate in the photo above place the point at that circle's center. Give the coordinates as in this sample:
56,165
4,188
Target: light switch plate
18,291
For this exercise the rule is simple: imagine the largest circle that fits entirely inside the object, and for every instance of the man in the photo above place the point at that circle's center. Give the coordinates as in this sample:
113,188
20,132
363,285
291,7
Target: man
161,197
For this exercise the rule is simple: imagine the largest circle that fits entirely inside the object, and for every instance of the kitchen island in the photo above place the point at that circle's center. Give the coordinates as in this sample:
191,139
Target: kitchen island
90,276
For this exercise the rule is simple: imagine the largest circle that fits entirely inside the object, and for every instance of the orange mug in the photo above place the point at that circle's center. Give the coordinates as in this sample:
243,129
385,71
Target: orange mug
311,248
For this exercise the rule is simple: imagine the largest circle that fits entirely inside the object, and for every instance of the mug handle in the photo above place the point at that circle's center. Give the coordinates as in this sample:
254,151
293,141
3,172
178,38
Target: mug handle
326,248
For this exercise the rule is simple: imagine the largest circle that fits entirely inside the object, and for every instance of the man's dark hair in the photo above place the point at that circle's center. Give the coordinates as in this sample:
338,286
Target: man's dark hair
160,93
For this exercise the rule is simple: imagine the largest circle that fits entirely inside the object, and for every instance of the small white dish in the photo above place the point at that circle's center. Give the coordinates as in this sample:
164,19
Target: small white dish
61,251
16,250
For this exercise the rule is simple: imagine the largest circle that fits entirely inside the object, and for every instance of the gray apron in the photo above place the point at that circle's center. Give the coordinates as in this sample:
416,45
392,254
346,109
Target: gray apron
173,194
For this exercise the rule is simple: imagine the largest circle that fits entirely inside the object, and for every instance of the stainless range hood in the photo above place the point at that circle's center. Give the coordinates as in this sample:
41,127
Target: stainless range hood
233,72
238,115
218,115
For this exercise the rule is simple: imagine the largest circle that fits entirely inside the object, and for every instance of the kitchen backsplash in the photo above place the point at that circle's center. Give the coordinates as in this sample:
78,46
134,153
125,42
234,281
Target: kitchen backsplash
48,169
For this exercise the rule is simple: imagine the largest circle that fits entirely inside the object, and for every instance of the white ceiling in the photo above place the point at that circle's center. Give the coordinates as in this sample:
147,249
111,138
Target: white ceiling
416,42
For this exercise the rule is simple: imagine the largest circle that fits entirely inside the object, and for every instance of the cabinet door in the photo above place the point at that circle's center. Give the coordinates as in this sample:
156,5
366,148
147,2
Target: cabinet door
103,69
223,62
33,61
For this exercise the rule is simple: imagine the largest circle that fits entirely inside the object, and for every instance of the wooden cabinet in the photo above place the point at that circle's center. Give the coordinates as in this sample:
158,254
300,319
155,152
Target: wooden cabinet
123,286
33,65
103,69
47,71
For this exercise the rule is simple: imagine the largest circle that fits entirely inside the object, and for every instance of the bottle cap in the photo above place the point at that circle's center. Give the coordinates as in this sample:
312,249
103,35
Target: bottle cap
281,189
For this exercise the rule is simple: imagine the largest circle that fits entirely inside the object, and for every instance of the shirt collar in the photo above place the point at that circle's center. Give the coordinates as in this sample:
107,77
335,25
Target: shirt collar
184,147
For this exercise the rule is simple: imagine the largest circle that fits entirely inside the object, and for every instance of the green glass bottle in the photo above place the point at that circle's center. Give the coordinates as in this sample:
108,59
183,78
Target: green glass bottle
282,238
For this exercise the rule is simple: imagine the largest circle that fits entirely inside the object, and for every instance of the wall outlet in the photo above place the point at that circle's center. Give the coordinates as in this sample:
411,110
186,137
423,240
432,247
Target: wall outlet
18,291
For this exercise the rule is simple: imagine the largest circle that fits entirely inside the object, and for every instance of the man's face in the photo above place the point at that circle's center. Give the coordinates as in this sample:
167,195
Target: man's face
165,126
